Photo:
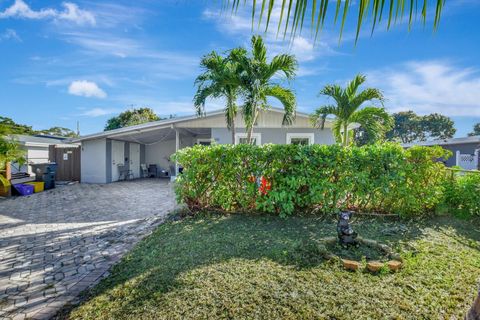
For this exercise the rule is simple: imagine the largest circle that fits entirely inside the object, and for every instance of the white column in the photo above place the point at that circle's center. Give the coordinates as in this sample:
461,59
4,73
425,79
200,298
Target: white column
177,146
475,159
457,158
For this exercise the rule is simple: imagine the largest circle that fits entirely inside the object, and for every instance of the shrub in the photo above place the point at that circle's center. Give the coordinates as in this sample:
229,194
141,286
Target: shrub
283,179
462,194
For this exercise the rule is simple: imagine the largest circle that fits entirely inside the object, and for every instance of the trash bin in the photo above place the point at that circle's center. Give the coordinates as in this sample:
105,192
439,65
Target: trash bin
45,172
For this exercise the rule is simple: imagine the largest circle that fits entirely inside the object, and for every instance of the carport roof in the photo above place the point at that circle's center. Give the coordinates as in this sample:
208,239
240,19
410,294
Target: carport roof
161,124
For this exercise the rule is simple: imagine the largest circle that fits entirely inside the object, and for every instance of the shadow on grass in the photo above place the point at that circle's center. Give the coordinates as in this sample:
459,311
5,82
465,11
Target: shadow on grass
181,246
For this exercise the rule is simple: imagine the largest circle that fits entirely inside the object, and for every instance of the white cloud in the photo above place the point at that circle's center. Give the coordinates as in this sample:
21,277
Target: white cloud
86,89
99,112
430,86
71,12
10,34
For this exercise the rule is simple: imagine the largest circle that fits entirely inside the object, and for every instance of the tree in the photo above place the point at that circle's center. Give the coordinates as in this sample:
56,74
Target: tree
409,127
221,78
476,130
131,118
257,79
437,126
347,110
8,126
293,20
59,132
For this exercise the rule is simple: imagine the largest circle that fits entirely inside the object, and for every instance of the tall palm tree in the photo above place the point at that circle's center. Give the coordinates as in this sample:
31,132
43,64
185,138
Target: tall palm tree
294,13
348,110
257,79
221,78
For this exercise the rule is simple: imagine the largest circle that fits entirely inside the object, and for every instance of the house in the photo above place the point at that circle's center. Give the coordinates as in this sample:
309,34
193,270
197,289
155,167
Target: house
465,151
36,150
106,154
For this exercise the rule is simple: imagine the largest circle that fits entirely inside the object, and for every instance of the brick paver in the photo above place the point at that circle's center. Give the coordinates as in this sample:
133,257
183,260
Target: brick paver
57,243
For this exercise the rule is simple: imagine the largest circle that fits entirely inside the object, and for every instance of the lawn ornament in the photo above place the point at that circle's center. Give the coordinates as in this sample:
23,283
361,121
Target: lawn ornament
346,235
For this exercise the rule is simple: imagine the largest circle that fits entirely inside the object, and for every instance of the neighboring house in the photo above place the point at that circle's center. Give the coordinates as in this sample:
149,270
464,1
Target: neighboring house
465,151
105,154
37,150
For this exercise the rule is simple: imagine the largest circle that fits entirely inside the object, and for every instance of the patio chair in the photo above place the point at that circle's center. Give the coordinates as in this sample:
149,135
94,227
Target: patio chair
124,173
144,170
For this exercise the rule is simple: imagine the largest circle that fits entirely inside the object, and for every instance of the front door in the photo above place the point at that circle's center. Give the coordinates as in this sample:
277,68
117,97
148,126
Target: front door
135,160
118,158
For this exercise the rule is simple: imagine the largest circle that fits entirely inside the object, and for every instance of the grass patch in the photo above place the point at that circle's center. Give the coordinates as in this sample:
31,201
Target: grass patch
265,267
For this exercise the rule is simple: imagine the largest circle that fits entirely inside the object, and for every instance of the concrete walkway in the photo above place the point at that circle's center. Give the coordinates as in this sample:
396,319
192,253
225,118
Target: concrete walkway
57,243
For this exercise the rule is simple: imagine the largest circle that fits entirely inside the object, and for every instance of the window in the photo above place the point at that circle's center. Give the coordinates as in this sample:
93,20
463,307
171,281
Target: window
241,138
300,138
204,142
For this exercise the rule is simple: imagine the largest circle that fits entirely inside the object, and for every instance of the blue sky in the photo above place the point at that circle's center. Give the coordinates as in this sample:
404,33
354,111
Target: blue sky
63,62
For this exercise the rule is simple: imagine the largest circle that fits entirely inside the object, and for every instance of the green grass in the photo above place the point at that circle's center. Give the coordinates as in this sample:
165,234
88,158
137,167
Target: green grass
265,267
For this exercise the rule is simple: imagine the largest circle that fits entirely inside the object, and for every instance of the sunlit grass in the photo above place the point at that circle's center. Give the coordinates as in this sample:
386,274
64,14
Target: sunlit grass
265,267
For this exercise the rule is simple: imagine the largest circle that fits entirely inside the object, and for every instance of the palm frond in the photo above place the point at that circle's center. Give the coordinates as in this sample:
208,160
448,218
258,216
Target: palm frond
287,99
319,117
285,63
372,9
353,85
259,50
368,94
375,121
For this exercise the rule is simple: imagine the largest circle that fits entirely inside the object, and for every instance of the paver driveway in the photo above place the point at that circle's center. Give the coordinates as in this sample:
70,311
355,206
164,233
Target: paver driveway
57,243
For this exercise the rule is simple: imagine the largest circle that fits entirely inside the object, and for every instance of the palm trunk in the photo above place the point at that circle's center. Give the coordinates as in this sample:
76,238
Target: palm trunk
233,131
250,130
345,135
474,312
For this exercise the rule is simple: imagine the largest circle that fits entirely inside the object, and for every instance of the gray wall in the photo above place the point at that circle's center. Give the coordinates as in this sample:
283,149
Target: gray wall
464,148
275,135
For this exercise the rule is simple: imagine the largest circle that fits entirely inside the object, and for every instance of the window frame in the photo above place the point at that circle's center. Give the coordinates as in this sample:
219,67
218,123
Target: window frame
205,140
255,135
306,135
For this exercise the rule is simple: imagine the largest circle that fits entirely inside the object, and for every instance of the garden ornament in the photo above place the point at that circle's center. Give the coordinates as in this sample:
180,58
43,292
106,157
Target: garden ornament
346,235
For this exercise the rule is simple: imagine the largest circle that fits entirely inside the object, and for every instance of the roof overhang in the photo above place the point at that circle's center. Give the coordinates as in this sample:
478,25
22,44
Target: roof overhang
128,132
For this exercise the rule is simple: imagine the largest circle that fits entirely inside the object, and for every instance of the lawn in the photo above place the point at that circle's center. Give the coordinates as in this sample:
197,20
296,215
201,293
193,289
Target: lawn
265,267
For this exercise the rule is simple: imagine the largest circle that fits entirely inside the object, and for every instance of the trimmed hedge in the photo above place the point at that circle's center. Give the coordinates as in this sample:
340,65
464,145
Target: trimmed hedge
462,194
284,179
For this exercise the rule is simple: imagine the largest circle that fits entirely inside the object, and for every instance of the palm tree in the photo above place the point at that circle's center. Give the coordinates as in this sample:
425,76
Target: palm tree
257,82
294,12
348,101
221,78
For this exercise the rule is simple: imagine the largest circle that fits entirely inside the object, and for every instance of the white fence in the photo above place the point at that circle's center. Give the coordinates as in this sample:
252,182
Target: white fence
467,161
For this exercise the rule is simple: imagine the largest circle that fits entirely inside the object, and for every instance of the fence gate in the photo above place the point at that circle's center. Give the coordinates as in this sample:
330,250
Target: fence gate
467,161
68,162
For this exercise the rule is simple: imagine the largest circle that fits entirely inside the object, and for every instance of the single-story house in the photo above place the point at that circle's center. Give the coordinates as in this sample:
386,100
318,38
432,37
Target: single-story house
465,151
106,154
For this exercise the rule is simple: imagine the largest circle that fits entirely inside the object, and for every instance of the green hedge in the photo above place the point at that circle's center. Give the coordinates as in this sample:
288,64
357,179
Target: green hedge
379,178
462,193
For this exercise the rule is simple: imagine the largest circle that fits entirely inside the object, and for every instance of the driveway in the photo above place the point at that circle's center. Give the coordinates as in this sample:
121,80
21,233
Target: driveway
57,243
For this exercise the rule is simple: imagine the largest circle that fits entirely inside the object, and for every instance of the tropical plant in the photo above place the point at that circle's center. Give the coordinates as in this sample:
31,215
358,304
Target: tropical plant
220,79
131,118
10,149
257,79
476,130
294,13
348,110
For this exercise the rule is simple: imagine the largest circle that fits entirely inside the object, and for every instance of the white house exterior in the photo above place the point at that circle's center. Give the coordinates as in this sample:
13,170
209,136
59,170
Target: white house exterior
36,150
155,142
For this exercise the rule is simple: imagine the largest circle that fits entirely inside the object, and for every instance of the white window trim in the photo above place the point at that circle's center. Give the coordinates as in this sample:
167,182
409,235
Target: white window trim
204,140
256,135
309,136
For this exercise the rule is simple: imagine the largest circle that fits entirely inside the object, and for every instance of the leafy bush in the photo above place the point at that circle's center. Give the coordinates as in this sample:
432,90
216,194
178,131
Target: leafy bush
462,194
284,179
